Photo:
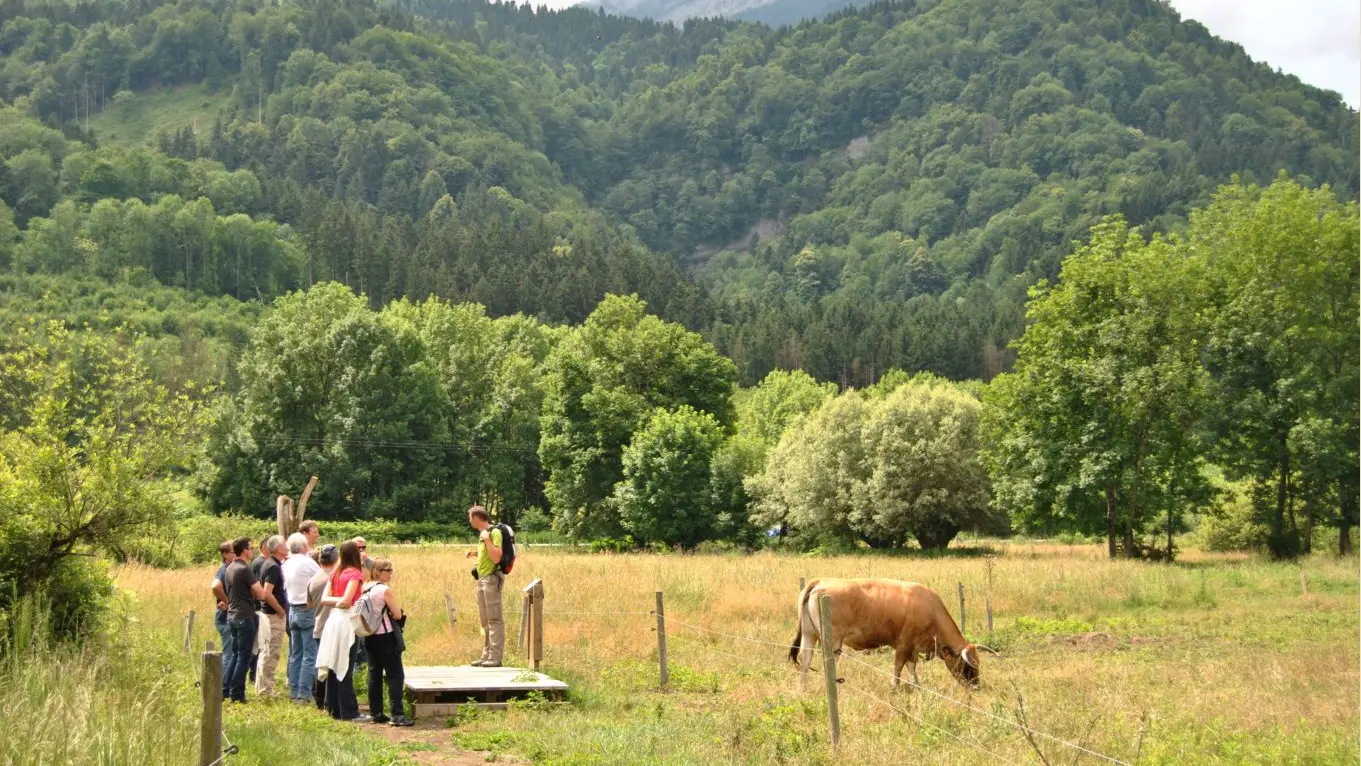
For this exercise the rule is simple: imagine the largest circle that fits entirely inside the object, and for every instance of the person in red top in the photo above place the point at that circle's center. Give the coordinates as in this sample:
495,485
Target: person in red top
341,702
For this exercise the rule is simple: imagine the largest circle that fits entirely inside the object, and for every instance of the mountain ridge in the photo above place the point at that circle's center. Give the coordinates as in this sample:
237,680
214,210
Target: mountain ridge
481,151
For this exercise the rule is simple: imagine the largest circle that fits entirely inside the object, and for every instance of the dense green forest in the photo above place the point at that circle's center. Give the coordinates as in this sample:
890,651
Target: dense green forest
914,269
876,190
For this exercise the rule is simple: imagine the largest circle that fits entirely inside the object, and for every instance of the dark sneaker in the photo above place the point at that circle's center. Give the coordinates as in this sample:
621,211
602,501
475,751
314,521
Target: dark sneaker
401,720
380,718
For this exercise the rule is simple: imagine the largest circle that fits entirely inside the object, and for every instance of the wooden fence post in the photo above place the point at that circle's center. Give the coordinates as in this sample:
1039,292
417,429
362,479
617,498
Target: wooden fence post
987,598
533,593
829,666
524,623
450,612
189,631
961,609
210,725
661,642
801,585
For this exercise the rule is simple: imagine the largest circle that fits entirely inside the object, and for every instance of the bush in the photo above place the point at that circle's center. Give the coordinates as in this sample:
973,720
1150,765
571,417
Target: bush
1233,526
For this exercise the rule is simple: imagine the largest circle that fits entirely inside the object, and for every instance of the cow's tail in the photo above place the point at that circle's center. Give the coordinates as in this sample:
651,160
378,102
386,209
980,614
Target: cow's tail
798,623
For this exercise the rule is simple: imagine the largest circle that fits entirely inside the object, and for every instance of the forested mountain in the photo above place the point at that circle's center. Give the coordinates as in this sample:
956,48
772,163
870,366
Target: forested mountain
773,12
874,190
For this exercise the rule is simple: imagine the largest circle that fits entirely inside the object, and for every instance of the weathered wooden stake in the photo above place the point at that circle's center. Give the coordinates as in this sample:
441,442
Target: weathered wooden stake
1304,583
661,642
188,631
534,594
524,624
801,586
829,666
987,597
961,608
210,725
451,613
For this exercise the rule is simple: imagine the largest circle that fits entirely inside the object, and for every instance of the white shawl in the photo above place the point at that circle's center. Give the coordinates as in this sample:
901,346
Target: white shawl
333,653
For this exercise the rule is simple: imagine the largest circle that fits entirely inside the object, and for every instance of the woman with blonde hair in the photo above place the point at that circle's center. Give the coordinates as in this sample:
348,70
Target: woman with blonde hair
385,647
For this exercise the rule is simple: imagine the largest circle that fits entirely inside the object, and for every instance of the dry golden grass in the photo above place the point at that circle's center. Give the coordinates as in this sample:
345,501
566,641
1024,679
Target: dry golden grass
1219,659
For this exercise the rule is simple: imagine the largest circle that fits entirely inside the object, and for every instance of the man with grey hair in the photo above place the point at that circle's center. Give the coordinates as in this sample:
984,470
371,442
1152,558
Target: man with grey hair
298,571
272,580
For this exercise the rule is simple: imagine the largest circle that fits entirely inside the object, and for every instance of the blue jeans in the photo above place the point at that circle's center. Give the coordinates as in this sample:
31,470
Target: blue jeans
302,652
236,663
225,633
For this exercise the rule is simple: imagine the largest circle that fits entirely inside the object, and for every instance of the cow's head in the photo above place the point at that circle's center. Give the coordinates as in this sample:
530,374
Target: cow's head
964,663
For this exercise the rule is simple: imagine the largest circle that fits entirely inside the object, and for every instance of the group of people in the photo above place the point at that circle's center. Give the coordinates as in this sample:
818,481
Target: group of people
309,593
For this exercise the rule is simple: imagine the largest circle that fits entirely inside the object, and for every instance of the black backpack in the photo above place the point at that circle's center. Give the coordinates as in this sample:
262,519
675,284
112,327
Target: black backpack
507,561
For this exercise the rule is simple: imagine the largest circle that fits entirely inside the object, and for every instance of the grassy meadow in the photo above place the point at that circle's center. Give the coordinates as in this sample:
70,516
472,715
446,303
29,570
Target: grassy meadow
1217,659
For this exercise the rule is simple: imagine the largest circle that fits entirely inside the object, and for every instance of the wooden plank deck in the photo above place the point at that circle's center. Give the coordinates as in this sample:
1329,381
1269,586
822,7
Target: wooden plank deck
441,689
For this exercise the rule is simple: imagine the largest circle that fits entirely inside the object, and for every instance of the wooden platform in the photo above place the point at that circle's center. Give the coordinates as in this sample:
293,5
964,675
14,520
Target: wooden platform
441,689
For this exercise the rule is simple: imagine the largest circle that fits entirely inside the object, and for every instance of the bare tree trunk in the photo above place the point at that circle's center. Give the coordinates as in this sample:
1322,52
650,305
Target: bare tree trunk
1344,527
283,515
1110,522
288,519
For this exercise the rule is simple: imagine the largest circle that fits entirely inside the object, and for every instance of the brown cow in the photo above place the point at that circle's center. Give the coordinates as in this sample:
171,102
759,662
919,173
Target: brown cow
870,613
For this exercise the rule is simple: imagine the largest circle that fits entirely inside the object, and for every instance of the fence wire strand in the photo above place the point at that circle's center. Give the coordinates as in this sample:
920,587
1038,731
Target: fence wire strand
1018,725
926,723
987,713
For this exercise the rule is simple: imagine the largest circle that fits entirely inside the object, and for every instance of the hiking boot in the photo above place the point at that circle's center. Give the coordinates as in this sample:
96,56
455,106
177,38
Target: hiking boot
478,662
490,664
401,720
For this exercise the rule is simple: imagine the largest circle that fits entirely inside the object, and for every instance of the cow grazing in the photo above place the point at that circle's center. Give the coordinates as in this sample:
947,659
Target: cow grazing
870,613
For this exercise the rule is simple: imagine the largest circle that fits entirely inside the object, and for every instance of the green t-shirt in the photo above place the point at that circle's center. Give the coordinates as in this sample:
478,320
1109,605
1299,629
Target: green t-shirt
485,565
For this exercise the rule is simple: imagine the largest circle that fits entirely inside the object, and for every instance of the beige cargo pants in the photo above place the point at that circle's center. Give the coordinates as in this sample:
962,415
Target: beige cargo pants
268,664
489,611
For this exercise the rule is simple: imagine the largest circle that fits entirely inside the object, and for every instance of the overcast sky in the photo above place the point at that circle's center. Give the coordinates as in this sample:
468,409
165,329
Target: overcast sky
1318,41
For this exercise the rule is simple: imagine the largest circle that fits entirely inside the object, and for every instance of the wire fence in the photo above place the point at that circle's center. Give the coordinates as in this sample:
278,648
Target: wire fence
703,638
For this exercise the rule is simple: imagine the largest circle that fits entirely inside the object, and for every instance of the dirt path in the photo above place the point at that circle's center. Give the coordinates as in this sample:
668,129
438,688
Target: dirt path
431,743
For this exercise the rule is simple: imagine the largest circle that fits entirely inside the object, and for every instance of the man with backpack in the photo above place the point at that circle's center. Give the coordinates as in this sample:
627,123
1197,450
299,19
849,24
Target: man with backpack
495,556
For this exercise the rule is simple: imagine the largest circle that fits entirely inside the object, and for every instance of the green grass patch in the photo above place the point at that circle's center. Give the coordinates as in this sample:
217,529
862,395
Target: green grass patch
136,121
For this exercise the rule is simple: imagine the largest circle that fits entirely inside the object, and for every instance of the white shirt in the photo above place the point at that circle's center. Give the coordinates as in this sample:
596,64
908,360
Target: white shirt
298,571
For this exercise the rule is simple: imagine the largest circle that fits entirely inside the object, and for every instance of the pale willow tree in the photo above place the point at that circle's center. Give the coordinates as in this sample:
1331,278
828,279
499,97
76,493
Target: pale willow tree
764,413
882,470
1098,428
926,480
87,444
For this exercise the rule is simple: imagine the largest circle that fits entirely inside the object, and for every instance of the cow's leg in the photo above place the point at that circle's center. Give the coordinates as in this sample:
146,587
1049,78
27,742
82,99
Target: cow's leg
805,659
900,658
807,637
